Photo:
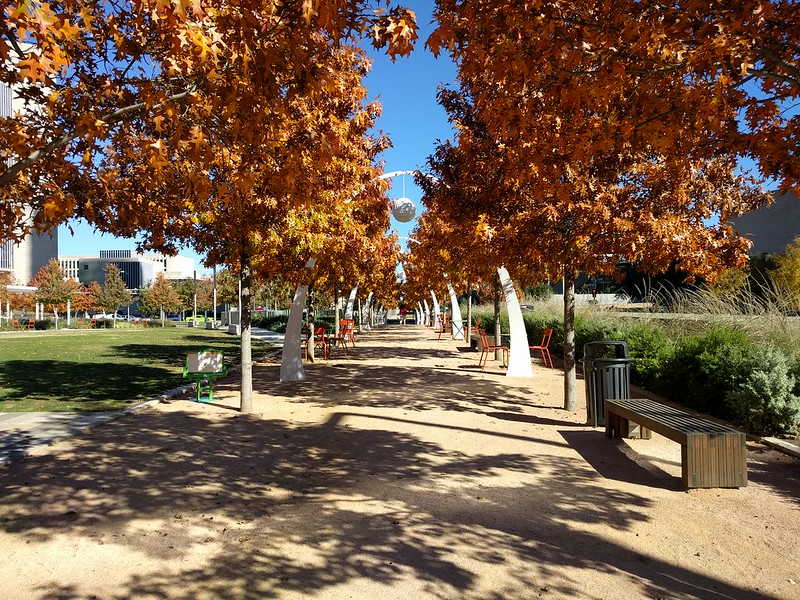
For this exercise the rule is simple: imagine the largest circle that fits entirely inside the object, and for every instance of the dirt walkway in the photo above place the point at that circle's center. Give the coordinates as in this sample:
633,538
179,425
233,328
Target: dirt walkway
400,472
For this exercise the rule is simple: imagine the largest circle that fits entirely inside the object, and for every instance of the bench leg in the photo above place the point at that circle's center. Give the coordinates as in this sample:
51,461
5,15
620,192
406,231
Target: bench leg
617,426
709,460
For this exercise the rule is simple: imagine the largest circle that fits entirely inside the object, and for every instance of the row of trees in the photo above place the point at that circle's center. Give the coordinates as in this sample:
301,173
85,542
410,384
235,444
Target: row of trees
54,290
161,297
238,128
595,132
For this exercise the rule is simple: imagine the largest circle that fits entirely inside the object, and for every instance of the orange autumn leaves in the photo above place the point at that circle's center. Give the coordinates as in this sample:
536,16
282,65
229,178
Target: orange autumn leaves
616,127
140,116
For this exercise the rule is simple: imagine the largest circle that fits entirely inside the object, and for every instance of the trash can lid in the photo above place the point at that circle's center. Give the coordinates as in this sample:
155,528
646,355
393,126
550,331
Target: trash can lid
601,349
605,362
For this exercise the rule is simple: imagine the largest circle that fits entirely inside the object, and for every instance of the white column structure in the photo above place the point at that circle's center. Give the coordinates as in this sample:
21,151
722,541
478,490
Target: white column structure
292,354
519,360
366,323
437,312
455,314
419,314
348,312
427,315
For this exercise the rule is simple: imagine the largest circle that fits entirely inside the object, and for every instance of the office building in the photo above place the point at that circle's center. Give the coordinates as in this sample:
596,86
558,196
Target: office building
771,228
24,259
136,270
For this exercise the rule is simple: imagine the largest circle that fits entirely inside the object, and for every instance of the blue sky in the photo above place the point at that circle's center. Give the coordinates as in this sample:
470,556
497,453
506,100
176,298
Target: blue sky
411,118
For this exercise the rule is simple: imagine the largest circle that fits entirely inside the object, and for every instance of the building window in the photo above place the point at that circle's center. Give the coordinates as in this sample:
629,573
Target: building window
7,256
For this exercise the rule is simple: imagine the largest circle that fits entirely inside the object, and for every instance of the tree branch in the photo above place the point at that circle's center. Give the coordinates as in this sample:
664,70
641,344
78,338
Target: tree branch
773,58
120,115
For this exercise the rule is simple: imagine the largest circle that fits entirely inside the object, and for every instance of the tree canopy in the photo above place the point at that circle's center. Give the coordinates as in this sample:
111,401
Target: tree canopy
95,76
113,292
52,288
595,132
160,298
687,79
236,127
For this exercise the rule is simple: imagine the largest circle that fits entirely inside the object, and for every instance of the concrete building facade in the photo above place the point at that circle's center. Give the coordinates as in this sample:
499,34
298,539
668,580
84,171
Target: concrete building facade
24,259
771,228
137,270
31,254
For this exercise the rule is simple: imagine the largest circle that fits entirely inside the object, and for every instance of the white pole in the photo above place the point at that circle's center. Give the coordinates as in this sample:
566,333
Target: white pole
194,320
214,271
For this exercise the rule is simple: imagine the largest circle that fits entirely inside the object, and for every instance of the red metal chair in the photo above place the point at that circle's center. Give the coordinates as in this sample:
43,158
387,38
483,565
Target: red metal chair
486,348
543,347
321,341
345,336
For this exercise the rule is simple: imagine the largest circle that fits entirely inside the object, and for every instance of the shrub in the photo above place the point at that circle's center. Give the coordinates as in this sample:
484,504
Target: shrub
275,323
542,291
704,368
765,403
486,313
536,323
650,349
327,320
588,329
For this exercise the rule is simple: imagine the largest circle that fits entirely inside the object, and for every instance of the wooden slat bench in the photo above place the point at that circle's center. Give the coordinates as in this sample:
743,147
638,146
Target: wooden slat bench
712,455
204,367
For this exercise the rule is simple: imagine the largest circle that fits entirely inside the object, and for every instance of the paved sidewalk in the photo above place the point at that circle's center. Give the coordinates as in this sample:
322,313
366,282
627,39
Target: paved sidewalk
270,337
25,432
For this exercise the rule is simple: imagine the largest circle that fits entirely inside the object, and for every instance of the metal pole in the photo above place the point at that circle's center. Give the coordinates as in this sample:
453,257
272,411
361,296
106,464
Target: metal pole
194,314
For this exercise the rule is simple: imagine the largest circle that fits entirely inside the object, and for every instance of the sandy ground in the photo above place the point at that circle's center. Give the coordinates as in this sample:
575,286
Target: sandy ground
399,472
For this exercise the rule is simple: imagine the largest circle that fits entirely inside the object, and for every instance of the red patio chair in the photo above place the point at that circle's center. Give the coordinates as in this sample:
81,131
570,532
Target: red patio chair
543,347
486,348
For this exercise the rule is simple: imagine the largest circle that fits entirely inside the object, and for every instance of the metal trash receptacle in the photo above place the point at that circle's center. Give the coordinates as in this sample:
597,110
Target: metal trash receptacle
606,373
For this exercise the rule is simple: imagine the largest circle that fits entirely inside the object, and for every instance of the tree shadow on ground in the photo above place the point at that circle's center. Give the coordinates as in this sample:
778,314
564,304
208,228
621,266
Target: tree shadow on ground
206,502
88,383
376,385
274,508
15,445
176,355
533,419
775,470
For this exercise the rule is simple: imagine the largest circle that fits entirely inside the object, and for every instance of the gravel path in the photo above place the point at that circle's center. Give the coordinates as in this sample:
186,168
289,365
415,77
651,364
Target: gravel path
401,471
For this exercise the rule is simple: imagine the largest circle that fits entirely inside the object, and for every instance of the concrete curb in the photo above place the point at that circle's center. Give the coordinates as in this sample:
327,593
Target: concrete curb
782,445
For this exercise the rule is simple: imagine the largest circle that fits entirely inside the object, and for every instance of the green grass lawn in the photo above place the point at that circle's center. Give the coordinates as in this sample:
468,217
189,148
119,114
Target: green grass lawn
98,370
